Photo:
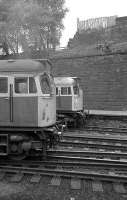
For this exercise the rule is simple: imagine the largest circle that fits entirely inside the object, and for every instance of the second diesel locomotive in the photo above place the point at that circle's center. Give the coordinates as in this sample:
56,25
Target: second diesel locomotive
27,108
69,101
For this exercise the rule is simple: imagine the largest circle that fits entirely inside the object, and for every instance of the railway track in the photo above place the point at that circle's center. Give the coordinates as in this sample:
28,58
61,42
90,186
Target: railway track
68,161
112,130
73,163
78,162
94,137
94,145
99,131
88,153
64,172
95,141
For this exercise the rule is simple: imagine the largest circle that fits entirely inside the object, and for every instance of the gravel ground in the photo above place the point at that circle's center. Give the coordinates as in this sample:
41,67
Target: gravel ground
44,190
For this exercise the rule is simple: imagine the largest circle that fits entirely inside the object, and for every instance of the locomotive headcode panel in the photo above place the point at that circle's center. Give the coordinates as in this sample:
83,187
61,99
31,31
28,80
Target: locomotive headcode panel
27,106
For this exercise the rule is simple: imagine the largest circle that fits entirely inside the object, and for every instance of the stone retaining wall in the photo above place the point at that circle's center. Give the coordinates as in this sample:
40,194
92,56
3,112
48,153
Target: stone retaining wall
103,78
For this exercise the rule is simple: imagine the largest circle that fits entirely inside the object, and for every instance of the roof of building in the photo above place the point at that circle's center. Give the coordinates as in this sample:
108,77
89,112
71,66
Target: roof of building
25,65
65,80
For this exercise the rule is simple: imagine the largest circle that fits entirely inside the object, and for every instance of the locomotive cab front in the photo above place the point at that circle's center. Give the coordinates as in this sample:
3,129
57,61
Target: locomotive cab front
46,101
69,100
69,95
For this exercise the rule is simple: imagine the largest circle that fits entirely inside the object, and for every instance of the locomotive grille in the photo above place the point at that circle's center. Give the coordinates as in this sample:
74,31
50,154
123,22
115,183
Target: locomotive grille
3,144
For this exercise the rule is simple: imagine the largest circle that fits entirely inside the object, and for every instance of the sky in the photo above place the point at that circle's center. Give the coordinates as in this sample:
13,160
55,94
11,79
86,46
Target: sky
85,9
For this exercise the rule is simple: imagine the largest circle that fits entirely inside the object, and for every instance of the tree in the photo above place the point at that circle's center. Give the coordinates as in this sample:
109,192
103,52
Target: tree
36,23
3,26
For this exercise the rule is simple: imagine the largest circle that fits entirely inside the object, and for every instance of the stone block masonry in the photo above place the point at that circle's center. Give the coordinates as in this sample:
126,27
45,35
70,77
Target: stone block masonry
103,79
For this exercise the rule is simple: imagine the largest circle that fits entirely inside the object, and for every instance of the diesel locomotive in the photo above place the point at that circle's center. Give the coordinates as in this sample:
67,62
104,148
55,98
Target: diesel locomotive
69,101
27,108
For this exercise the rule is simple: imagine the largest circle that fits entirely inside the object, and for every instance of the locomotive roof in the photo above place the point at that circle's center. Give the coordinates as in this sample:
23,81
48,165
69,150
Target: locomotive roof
25,65
65,80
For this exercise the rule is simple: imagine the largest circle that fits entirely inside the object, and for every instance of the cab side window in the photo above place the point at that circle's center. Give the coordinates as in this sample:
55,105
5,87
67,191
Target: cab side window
3,84
21,85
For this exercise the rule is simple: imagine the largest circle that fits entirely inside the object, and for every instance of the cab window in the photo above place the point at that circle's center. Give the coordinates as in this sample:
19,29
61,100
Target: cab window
65,90
21,85
76,90
3,84
57,91
45,84
32,85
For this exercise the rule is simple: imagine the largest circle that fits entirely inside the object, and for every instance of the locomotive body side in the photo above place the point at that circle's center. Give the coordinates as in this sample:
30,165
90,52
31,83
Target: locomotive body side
24,102
18,108
27,107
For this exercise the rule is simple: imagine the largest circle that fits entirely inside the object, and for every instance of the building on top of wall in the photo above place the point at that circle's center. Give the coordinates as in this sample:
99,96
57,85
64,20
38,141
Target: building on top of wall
96,23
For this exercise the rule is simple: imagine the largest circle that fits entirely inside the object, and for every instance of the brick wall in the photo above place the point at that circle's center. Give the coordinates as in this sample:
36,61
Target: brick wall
103,78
